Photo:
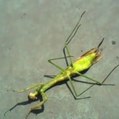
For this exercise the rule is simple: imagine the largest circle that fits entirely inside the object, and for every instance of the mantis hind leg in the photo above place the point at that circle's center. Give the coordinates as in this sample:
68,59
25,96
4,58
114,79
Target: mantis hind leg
68,40
74,92
97,82
66,49
109,74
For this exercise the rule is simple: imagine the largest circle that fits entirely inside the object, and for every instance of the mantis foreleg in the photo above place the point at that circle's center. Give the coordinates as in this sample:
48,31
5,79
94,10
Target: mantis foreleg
39,105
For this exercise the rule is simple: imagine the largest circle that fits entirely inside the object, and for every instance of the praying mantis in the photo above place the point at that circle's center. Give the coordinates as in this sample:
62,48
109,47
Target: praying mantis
83,63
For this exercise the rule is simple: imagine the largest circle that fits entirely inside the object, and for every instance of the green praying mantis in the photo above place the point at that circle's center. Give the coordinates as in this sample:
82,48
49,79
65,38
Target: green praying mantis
83,63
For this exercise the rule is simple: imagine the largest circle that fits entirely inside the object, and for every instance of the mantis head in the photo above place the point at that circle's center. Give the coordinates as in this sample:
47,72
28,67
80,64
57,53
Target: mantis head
33,95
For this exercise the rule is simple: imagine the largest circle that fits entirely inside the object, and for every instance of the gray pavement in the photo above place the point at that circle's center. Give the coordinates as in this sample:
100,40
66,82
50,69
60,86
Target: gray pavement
33,31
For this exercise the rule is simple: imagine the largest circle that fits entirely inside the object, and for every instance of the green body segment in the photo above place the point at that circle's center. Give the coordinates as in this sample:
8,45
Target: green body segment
82,64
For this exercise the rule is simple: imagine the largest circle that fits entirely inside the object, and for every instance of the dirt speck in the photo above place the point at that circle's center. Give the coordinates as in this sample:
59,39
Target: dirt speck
113,42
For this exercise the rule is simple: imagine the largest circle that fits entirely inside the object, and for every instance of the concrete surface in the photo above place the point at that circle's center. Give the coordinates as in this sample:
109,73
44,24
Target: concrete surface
33,31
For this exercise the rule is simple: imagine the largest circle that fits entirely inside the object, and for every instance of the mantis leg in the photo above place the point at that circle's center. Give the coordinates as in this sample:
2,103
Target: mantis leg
97,82
83,75
74,92
68,40
57,66
77,95
70,37
109,74
39,105
29,88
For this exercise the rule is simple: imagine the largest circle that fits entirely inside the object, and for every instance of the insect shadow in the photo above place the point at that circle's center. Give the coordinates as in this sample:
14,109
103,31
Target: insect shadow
38,111
26,103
